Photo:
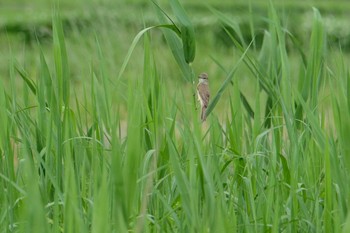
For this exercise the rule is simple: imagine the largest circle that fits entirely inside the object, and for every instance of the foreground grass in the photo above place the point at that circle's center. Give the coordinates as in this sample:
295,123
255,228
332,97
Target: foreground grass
133,156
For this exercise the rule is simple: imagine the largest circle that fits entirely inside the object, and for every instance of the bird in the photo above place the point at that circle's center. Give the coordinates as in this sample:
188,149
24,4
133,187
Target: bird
203,94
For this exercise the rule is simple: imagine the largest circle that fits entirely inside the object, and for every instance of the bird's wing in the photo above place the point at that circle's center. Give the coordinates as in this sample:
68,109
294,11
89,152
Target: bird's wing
204,94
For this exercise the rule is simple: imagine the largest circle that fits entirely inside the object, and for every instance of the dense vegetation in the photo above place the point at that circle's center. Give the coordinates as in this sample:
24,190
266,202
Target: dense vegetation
100,128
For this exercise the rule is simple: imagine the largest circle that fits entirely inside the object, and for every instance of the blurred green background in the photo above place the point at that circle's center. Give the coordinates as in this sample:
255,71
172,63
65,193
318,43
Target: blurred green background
115,23
301,167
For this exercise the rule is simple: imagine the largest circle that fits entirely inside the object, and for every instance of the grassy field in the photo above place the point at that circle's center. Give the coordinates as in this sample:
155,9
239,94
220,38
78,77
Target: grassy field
101,132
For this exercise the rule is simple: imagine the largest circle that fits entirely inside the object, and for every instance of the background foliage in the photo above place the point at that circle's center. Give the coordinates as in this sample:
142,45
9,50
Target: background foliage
100,129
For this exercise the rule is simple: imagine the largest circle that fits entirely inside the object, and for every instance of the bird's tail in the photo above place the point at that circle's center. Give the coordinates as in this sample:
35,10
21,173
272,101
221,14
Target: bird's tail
203,114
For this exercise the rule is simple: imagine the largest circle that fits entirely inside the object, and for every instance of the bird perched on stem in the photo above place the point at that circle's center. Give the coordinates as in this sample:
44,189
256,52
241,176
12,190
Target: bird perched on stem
203,94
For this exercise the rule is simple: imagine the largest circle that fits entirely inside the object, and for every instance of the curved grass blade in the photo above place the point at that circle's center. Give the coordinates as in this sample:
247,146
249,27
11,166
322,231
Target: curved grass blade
136,40
243,98
175,43
187,31
298,46
227,81
228,21
27,80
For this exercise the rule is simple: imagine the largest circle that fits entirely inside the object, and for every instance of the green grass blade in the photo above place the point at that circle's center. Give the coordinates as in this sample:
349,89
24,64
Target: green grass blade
175,43
227,81
136,40
61,61
187,31
26,79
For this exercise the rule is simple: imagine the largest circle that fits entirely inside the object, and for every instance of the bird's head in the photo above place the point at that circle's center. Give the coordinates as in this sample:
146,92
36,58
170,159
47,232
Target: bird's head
203,77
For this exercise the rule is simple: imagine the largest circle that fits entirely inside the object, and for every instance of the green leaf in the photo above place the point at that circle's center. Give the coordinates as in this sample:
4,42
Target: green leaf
175,43
187,31
61,61
244,100
26,79
227,81
136,40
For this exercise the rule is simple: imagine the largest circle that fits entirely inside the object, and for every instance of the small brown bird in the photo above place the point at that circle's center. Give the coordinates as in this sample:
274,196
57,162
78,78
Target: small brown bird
203,94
